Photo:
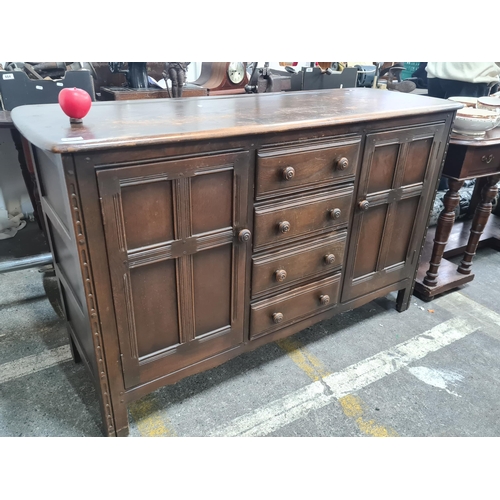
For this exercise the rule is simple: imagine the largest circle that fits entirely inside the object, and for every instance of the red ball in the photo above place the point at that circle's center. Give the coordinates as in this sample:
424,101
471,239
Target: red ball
75,102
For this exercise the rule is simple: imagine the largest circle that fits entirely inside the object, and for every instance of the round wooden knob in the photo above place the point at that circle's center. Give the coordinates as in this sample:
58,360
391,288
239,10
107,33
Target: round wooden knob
335,213
330,258
364,205
277,317
284,226
280,275
342,163
244,235
288,173
324,299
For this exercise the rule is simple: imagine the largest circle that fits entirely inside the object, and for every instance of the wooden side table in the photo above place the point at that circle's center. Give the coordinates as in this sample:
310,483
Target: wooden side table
467,159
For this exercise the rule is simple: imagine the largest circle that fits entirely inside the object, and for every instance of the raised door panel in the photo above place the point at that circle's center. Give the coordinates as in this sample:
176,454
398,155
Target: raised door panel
397,180
178,269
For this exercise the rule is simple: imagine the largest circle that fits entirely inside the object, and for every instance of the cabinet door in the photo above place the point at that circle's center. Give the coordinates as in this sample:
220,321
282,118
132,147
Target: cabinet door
178,268
397,182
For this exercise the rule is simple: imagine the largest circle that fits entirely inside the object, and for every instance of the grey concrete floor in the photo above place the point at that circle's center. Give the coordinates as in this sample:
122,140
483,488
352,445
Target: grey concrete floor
430,371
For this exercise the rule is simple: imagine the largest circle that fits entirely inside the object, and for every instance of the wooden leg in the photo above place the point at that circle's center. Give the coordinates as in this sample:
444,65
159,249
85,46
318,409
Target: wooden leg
403,299
443,230
481,216
74,351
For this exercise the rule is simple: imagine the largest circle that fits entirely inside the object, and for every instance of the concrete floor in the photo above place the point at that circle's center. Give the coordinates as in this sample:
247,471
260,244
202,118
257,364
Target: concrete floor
430,371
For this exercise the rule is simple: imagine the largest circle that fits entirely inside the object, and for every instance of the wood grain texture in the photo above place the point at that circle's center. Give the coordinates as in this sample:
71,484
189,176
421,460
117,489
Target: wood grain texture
136,123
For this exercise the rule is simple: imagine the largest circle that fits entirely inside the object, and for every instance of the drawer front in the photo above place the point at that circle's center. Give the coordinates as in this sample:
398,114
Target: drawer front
481,161
300,166
307,215
269,315
278,270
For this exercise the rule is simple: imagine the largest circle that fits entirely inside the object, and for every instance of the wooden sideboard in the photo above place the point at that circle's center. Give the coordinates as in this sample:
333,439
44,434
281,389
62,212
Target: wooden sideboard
186,232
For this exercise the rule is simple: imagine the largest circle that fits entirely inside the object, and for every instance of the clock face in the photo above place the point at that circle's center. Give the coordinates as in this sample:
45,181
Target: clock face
236,72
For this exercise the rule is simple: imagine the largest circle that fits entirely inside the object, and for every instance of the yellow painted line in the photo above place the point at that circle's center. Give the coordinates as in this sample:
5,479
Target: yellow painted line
306,361
148,419
314,369
351,405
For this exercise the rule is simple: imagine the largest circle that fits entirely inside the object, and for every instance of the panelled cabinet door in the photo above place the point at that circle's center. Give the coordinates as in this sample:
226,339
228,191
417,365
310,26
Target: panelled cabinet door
394,192
177,240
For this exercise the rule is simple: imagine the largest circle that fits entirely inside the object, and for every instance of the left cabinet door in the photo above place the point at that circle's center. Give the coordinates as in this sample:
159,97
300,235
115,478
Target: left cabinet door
178,250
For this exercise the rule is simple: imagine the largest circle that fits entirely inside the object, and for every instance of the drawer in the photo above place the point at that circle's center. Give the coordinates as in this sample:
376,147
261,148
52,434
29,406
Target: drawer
481,161
269,315
306,165
469,162
272,272
308,215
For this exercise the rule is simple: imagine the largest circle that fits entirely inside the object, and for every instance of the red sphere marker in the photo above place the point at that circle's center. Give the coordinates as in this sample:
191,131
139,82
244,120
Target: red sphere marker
75,103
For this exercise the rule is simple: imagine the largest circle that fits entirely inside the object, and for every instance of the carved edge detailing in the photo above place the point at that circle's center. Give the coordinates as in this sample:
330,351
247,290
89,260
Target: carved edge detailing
138,258
91,306
144,179
184,263
120,229
129,306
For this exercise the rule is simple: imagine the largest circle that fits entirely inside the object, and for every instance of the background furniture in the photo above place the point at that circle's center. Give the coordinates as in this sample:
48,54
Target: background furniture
16,89
467,158
181,243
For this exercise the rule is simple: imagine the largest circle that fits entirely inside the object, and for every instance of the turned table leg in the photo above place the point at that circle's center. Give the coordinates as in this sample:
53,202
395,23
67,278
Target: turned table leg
481,216
443,230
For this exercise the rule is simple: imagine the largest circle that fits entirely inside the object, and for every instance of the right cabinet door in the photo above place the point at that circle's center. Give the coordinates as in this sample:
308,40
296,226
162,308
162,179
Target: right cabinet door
397,180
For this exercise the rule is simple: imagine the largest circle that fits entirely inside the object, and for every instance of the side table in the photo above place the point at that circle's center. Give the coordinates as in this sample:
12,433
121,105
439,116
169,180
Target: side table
467,158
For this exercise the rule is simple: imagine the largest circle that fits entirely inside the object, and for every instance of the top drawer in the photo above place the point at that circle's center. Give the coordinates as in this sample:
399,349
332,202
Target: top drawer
310,164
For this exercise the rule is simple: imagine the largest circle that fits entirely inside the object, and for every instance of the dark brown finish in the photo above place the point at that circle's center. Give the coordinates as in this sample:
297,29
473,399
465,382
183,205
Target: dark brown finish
445,223
397,168
292,306
128,94
181,240
283,170
296,263
466,158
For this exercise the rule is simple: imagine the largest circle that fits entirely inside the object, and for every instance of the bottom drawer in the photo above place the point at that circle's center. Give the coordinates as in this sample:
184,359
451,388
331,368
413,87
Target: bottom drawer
272,314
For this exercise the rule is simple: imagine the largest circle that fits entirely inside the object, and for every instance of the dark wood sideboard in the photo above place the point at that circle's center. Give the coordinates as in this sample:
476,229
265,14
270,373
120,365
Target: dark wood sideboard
186,232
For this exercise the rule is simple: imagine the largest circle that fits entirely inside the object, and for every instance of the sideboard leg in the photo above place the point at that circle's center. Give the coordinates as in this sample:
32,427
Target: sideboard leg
120,425
121,421
74,350
403,299
481,216
443,230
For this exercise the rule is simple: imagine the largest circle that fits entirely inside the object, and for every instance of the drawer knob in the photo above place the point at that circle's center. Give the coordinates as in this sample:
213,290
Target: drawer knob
288,173
280,275
487,159
324,300
342,163
244,235
335,213
364,205
330,258
277,317
284,226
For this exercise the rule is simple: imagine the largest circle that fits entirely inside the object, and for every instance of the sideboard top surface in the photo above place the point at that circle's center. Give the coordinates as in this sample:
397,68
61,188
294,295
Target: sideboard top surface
165,121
